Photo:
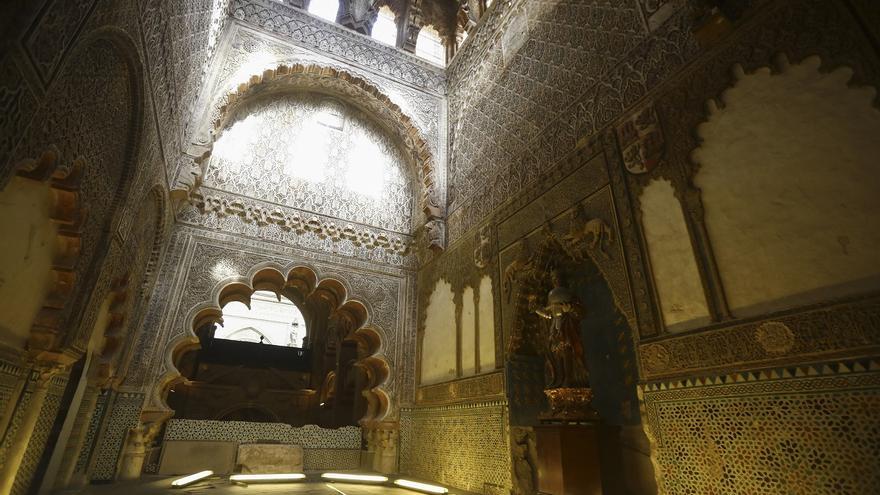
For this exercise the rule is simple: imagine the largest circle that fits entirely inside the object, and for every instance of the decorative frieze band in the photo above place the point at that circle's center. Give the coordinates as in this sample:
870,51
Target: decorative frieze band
302,29
289,220
468,389
845,329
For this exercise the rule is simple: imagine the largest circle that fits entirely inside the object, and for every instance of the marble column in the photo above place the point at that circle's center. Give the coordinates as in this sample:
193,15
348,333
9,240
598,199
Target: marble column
77,436
29,417
135,450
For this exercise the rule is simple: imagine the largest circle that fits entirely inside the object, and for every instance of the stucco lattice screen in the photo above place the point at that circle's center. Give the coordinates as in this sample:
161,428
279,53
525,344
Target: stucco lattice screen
317,155
817,436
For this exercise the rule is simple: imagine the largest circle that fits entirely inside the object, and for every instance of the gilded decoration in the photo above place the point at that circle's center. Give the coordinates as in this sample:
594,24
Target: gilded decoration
558,296
479,387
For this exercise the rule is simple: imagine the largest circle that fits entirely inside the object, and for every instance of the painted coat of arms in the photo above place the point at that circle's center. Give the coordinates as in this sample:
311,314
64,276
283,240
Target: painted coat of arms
641,141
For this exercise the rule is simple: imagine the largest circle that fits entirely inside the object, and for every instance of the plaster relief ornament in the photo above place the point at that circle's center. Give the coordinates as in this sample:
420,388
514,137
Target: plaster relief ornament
641,141
594,235
775,337
483,251
435,235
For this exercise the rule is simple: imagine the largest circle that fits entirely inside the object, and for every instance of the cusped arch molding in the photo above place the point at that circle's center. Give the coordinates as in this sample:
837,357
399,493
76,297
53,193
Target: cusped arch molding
351,88
351,316
67,213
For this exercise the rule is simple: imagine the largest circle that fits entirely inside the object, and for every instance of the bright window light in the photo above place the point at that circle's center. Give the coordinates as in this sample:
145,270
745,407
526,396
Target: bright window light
233,145
189,480
429,46
369,165
307,153
268,321
325,9
385,29
368,478
422,487
254,65
267,478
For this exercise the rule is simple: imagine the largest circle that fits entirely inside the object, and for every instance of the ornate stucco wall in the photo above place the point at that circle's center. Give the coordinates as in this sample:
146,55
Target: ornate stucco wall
523,109
554,108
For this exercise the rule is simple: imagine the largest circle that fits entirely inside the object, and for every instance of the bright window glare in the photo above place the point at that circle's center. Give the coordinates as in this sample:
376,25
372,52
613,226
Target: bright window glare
429,46
325,9
366,174
254,65
278,322
384,29
307,153
232,146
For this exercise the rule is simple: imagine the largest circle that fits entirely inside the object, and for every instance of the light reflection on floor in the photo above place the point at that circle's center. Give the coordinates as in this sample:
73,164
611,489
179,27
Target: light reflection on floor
155,485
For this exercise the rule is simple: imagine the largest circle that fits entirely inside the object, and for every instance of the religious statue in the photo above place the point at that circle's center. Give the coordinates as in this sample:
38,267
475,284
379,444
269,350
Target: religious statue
565,356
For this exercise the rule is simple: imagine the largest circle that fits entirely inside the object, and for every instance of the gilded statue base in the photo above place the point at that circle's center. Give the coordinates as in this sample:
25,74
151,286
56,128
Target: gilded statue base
569,404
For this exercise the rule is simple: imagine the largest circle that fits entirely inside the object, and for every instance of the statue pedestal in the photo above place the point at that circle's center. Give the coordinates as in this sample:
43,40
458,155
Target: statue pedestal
568,459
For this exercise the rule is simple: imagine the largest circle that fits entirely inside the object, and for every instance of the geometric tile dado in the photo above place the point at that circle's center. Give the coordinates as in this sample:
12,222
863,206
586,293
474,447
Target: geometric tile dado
805,430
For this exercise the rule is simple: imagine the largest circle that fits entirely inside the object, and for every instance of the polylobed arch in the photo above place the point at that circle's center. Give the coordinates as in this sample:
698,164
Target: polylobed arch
41,157
297,283
367,97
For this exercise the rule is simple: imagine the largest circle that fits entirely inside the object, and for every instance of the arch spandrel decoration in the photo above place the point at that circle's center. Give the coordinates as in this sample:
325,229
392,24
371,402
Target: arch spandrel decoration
351,88
297,283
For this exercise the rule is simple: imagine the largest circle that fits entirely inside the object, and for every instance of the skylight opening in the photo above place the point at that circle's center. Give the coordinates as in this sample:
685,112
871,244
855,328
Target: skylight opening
325,9
385,29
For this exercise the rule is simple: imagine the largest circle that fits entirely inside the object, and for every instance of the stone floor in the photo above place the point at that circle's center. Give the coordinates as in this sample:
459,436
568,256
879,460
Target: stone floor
220,486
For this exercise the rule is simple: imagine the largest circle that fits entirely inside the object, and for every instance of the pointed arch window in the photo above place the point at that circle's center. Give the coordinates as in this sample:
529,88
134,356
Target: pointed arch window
429,46
385,28
270,320
325,9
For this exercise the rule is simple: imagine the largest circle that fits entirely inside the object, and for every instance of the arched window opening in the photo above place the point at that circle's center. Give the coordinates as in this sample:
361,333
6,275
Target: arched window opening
268,321
323,156
325,9
429,46
385,29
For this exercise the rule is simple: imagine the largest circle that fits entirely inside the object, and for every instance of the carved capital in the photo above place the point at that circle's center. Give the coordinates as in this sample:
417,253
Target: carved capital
435,235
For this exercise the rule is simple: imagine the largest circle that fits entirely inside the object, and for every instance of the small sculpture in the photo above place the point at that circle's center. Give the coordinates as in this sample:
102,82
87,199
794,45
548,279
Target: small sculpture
483,251
565,356
594,233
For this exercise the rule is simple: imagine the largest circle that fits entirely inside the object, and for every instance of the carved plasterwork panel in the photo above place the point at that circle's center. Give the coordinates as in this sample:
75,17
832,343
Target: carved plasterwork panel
219,210
247,52
180,39
54,31
282,151
481,387
338,41
788,337
481,103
